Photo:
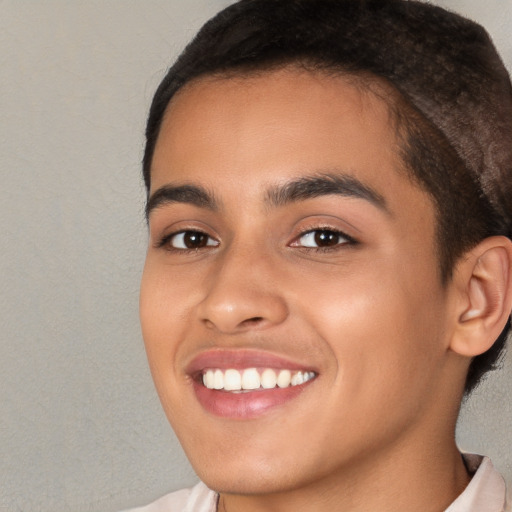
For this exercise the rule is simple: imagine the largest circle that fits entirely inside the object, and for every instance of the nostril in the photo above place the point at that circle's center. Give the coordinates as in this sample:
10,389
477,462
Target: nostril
253,320
209,324
248,322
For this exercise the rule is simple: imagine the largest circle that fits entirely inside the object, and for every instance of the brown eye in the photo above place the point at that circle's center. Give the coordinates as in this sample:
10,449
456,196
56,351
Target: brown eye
319,238
326,238
191,240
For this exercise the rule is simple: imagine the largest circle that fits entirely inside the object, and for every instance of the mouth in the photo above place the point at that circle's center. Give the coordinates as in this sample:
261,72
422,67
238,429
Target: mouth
245,384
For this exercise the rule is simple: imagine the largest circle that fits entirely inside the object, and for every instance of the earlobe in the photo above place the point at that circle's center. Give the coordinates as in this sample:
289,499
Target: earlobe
485,279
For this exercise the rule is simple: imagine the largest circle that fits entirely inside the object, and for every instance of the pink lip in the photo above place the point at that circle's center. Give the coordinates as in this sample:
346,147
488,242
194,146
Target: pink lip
240,359
245,405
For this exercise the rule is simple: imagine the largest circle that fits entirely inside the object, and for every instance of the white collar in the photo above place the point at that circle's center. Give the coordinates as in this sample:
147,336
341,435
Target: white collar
486,492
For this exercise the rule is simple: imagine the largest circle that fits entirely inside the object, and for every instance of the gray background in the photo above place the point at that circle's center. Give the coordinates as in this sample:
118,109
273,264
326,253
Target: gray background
80,425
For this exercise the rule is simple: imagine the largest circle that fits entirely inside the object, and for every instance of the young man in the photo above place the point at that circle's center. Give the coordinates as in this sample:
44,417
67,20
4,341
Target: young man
329,266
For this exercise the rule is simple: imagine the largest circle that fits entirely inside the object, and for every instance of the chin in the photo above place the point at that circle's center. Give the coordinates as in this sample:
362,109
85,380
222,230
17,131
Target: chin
257,472
250,481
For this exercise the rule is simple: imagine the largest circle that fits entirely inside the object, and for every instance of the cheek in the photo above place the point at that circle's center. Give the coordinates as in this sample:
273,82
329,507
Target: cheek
168,298
159,305
164,296
160,308
381,325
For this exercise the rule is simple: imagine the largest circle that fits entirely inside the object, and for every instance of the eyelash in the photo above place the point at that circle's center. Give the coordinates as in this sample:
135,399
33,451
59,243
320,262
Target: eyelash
165,242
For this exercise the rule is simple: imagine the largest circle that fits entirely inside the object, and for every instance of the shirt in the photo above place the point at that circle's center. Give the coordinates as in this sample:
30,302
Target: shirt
486,492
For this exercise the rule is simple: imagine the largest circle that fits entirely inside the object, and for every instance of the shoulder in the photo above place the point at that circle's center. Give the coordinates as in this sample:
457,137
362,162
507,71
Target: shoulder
195,499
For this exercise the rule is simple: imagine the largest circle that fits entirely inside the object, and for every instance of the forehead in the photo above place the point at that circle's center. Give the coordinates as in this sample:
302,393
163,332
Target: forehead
278,125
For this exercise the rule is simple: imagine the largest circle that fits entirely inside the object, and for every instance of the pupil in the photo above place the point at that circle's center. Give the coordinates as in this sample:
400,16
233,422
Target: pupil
326,238
194,240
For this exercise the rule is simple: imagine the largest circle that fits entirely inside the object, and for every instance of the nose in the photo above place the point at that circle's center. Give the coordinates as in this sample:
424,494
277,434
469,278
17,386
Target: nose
242,294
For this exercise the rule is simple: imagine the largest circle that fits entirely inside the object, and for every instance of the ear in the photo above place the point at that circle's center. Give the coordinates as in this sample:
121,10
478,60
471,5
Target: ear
483,278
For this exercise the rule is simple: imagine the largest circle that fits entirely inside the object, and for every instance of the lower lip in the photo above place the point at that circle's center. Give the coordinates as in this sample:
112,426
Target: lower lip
245,405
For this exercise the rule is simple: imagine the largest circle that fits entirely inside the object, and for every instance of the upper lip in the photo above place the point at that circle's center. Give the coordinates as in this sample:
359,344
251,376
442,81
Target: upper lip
241,359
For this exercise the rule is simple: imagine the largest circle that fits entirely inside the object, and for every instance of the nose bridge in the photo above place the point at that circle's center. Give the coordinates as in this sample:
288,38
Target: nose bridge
242,291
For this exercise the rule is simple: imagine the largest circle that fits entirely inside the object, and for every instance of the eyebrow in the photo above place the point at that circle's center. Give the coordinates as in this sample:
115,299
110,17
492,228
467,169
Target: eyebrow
301,189
190,194
309,187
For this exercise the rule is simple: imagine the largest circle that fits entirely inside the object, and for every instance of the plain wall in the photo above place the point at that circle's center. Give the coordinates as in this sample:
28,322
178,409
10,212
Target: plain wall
81,428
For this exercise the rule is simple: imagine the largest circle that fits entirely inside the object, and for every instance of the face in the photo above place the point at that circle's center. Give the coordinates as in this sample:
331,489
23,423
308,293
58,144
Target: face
291,303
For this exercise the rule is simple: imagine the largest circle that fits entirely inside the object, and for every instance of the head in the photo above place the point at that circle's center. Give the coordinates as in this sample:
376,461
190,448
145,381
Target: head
444,83
328,194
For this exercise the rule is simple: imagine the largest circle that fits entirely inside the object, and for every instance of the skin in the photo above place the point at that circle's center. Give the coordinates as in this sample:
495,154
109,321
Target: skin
375,429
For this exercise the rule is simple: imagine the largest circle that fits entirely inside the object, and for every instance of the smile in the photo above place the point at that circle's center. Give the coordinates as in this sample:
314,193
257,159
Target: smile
244,384
252,379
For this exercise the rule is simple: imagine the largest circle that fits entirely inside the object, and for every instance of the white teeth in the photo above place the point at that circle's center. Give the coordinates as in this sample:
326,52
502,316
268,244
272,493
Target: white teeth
232,380
268,379
218,380
251,379
284,378
308,376
297,379
209,379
